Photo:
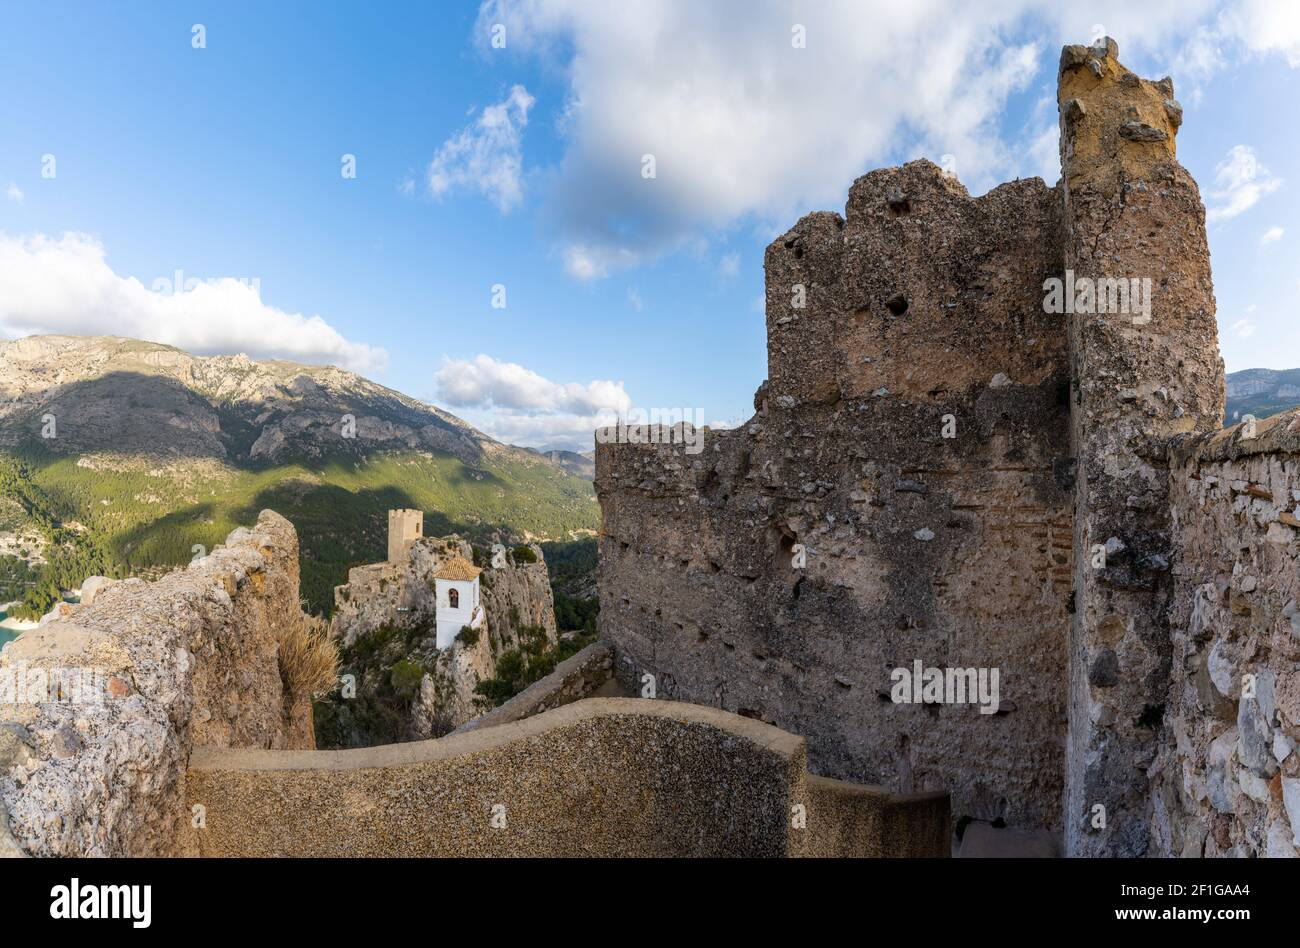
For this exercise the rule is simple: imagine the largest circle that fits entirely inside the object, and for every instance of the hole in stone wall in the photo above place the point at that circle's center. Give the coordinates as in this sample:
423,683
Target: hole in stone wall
1151,716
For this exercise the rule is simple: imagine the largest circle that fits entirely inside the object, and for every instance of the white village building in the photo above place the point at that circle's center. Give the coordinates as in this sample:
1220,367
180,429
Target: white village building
456,589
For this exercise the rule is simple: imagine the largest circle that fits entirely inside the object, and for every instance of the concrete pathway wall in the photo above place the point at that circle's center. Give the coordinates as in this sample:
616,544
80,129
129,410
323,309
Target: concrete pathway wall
599,777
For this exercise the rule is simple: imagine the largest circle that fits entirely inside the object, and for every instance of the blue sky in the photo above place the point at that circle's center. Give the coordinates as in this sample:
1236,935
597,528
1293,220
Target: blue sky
522,167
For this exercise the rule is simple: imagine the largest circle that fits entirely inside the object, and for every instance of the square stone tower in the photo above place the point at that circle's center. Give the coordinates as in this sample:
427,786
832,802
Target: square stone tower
404,528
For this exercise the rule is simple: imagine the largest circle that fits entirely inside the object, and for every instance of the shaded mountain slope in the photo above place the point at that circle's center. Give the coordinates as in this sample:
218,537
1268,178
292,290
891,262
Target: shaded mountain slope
156,455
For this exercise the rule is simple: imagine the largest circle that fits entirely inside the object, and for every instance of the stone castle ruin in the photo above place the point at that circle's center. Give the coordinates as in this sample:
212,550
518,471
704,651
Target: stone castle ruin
989,443
192,735
404,528
982,558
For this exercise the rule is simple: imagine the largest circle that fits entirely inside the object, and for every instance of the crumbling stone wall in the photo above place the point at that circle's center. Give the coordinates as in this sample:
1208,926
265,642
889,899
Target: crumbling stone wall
923,315
1227,779
922,318
186,661
1130,211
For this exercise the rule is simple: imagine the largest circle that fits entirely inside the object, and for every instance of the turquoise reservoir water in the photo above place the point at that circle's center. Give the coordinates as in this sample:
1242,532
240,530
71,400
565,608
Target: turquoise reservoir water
6,634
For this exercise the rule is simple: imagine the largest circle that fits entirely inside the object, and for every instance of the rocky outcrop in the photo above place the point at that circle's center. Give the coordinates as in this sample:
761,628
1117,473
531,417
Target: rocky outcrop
386,598
100,709
578,676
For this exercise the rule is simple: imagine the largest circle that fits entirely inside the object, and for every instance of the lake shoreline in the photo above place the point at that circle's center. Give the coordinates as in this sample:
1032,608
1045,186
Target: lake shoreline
11,628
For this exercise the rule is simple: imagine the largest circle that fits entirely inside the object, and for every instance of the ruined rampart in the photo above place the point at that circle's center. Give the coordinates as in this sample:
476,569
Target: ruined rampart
967,399
1141,377
1227,779
902,493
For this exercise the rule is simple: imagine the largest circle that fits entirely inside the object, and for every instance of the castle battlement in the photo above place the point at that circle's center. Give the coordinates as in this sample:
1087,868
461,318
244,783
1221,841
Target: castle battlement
947,465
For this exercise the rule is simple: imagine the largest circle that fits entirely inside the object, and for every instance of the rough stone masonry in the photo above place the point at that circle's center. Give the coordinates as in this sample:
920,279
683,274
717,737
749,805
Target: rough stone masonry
944,468
1129,210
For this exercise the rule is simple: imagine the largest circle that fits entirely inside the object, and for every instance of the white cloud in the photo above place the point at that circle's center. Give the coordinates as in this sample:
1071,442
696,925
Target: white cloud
1266,26
745,127
67,286
486,382
729,265
566,432
1040,141
1238,28
1244,328
634,299
1241,182
486,156
526,408
14,193
1272,235
587,261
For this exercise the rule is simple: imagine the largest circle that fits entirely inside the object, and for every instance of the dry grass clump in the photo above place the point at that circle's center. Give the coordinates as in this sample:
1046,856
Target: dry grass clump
309,658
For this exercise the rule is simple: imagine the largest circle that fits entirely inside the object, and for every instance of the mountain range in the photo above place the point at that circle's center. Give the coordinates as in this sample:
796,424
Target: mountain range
1261,392
147,455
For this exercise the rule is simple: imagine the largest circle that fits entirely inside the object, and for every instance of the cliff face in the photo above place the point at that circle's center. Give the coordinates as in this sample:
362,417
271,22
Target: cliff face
1261,393
102,707
115,395
385,619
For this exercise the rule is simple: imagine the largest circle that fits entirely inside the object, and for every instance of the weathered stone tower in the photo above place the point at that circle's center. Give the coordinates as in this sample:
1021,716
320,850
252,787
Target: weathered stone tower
404,528
1130,211
944,467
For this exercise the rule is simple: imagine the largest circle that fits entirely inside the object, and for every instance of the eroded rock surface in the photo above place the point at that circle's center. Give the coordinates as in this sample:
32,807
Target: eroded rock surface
400,597
100,709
